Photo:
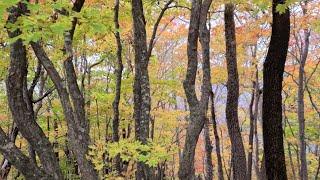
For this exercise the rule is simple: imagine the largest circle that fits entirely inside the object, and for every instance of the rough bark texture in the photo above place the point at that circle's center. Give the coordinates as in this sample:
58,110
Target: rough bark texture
20,103
115,105
216,137
141,88
6,165
273,69
29,169
78,128
238,153
197,30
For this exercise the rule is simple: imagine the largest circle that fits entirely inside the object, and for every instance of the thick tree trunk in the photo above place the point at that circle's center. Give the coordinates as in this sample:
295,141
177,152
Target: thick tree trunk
141,88
273,69
197,29
115,123
238,153
20,103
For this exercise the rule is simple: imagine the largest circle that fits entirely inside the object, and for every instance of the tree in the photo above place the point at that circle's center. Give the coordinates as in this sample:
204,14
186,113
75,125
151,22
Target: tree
197,30
273,69
301,88
141,87
238,153
115,122
20,102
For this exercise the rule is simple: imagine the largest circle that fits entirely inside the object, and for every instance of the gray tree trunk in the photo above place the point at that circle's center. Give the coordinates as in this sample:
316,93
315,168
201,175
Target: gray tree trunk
238,154
198,108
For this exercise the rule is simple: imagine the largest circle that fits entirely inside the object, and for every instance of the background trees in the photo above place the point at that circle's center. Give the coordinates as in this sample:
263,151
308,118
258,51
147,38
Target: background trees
121,89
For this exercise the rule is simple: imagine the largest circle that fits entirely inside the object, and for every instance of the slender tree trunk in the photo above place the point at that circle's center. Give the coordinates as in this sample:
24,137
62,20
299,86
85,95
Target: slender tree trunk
78,128
115,123
208,149
216,137
273,69
254,109
249,168
301,117
238,153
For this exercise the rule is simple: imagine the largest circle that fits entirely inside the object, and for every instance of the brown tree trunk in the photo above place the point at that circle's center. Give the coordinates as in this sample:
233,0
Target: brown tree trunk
273,69
238,153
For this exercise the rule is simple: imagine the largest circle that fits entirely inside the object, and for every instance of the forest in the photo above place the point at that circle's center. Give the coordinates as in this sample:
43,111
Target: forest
160,89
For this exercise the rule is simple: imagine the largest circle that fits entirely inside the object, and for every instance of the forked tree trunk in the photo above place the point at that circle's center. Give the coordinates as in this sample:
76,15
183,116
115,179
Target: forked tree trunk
197,31
273,69
20,103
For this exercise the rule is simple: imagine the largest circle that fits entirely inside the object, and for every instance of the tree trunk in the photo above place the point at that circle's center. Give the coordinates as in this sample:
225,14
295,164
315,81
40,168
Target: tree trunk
300,96
115,123
197,108
254,110
20,103
216,137
273,69
78,128
141,88
208,149
238,153
21,161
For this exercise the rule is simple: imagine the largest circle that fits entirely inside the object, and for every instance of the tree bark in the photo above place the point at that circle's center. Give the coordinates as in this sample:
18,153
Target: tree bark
273,69
197,30
216,137
141,88
238,153
20,103
29,169
115,105
78,128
